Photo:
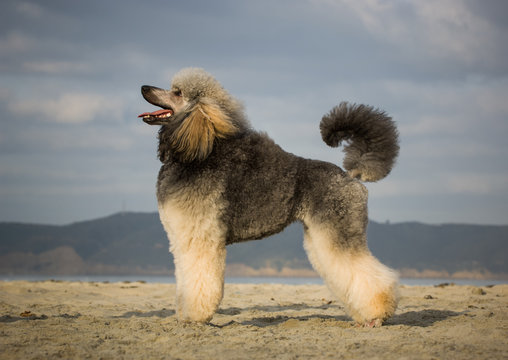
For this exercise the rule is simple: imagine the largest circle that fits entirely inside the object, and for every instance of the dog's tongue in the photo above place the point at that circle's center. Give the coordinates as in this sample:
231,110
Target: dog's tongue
156,113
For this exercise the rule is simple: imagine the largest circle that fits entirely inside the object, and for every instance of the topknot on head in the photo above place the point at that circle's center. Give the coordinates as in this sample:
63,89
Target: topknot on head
196,82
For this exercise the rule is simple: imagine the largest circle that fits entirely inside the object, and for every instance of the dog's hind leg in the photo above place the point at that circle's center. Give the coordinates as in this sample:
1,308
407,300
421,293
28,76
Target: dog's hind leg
367,287
338,252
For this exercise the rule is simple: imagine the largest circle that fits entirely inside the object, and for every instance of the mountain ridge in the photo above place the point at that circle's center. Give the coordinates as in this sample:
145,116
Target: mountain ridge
135,243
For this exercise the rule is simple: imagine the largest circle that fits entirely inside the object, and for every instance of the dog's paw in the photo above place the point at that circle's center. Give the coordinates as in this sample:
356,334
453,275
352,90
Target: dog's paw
371,324
194,319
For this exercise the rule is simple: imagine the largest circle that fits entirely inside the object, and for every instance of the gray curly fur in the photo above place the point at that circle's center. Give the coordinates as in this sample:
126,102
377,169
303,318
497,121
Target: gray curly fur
239,185
372,136
199,84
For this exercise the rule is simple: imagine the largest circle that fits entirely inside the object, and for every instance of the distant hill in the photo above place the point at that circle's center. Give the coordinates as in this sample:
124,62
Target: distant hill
135,243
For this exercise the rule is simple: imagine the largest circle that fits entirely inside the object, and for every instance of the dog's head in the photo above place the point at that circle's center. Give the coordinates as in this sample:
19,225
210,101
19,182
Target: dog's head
195,112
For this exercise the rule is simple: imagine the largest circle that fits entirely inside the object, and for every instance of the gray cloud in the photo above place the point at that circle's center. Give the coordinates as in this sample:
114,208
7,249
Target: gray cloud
72,147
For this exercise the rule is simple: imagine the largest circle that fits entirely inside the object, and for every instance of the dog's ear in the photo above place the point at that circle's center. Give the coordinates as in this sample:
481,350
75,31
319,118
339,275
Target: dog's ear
195,136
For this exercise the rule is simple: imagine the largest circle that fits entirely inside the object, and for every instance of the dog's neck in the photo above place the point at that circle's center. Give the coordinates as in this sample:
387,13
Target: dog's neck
165,151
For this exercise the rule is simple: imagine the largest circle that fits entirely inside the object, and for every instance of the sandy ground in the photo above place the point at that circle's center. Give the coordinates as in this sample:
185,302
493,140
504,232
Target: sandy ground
40,320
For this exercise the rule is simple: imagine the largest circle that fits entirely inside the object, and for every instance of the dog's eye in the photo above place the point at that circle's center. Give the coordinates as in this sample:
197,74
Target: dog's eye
177,92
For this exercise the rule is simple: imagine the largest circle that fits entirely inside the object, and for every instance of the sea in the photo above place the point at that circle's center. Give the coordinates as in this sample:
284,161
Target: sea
238,280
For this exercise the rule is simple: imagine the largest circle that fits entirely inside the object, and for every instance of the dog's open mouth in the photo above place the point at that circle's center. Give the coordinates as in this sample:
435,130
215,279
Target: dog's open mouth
156,117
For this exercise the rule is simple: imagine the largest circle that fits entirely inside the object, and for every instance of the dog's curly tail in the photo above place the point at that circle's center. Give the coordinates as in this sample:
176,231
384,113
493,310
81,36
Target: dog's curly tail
372,138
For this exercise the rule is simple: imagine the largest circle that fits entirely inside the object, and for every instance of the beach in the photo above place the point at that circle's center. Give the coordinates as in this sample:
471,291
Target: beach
136,320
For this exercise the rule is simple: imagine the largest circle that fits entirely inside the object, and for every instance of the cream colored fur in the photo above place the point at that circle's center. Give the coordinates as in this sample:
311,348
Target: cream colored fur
196,241
367,287
195,137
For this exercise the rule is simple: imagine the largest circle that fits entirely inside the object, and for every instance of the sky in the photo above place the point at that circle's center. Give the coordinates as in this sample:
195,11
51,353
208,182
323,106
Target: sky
73,149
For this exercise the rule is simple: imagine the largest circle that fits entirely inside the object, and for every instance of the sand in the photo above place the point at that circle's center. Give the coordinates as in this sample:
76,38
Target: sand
41,320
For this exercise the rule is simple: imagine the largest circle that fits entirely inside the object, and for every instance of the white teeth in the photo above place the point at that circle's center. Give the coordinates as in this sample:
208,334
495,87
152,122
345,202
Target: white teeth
162,116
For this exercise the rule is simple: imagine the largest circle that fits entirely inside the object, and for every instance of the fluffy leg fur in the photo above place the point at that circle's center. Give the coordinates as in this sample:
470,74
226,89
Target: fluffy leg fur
336,245
367,287
199,250
199,272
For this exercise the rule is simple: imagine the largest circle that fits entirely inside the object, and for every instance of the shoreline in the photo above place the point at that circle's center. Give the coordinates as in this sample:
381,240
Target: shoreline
244,271
284,280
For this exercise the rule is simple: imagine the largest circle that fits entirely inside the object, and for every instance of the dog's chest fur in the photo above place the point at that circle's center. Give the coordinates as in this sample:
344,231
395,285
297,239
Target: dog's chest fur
247,184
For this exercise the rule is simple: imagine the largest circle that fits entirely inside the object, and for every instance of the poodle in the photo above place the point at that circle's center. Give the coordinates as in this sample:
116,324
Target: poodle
222,182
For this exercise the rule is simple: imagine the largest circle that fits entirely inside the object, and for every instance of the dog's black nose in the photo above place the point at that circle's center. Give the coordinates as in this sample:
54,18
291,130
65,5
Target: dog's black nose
145,89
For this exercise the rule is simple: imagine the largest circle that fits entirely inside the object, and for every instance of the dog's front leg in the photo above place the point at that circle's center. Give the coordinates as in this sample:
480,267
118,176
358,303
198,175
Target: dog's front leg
199,272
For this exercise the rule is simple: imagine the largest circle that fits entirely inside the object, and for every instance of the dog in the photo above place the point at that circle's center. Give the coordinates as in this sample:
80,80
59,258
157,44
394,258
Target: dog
222,182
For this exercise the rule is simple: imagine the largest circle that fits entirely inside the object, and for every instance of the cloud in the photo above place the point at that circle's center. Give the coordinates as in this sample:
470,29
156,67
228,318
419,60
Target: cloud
444,149
448,108
57,67
70,72
442,183
432,30
91,138
30,9
71,108
451,29
15,42
474,183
